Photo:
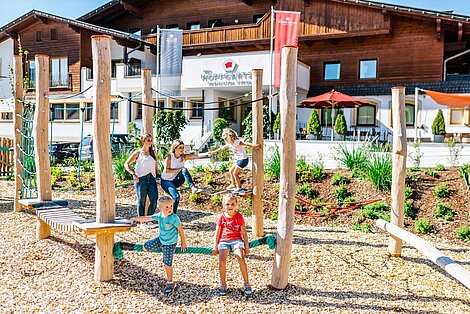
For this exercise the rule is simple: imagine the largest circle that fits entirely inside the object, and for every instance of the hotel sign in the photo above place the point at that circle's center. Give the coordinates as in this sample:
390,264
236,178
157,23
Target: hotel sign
229,77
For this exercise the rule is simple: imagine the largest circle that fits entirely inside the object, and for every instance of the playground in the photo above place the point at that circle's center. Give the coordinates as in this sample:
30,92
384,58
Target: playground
62,248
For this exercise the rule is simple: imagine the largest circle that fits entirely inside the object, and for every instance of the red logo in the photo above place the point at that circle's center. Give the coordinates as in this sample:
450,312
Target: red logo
230,65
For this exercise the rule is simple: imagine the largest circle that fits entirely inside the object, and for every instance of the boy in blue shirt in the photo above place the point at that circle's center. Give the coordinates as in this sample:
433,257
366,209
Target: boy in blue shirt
170,226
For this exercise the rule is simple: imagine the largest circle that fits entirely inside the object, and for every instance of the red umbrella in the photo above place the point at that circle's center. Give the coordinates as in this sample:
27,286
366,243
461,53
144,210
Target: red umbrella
331,100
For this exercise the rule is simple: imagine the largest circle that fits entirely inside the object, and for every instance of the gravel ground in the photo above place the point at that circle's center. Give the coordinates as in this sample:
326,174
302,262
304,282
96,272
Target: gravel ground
333,270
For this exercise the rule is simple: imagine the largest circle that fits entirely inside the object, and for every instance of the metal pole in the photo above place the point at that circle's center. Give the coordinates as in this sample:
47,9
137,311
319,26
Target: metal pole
271,57
203,113
157,140
416,113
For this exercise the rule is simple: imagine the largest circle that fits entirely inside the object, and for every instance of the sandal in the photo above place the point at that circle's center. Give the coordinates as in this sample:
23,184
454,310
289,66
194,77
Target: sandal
222,290
248,291
169,287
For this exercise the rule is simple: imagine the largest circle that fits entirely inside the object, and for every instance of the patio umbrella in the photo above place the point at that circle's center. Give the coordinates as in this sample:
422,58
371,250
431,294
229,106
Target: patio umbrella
332,99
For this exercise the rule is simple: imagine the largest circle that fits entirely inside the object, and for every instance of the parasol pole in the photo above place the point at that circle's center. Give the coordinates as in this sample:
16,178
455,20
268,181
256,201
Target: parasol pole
332,120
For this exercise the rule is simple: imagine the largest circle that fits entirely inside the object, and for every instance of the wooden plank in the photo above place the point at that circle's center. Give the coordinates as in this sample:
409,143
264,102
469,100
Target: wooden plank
34,203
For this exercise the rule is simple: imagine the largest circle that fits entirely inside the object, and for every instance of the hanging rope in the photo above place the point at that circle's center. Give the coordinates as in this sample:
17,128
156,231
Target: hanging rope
270,240
203,103
70,96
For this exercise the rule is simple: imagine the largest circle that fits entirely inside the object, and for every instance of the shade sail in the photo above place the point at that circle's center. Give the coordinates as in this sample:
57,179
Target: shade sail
450,100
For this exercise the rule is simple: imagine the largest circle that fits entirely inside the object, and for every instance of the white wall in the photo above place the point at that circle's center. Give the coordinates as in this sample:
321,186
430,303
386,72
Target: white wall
6,97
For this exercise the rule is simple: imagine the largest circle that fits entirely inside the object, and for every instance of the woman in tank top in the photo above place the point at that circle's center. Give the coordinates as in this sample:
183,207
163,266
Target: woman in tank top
144,175
175,174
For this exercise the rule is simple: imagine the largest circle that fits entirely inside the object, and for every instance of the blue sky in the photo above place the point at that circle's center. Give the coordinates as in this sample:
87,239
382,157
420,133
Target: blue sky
12,9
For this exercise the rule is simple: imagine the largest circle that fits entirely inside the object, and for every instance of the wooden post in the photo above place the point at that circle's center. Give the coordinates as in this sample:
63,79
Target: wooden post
105,192
285,225
147,112
399,166
18,81
258,167
40,135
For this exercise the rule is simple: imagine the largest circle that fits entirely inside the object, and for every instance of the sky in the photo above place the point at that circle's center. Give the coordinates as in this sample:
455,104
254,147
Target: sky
13,9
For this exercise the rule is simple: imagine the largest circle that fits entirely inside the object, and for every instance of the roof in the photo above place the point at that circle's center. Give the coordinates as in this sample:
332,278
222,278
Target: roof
111,9
361,90
28,19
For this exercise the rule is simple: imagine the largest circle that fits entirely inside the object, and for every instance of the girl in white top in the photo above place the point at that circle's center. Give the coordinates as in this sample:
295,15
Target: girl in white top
175,173
240,157
144,175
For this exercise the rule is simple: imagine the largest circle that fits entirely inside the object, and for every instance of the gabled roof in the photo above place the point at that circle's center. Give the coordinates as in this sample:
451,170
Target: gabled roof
113,9
34,16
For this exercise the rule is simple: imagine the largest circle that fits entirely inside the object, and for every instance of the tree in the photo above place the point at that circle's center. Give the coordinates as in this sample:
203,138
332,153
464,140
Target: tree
219,125
169,125
340,124
248,124
313,123
439,125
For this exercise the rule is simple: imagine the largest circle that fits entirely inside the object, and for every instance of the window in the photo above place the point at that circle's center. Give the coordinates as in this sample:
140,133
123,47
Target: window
367,69
38,36
54,34
410,114
366,115
177,104
69,111
59,72
31,74
114,111
257,18
332,71
6,116
88,111
215,23
326,116
138,113
456,116
172,26
196,112
194,25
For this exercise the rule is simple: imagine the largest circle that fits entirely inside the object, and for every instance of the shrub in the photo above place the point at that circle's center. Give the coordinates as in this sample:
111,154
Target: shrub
302,164
439,126
350,199
361,227
248,123
273,165
169,125
423,226
410,210
313,123
223,167
416,155
376,211
339,179
408,192
442,190
341,193
198,168
209,178
442,210
196,198
379,171
274,215
454,151
465,174
415,178
340,124
463,232
306,189
317,171
440,168
277,123
219,125
217,200
432,173
353,159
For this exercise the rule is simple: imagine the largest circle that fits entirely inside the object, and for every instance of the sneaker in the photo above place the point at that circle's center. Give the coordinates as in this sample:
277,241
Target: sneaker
248,291
240,191
231,187
169,287
195,189
222,290
148,225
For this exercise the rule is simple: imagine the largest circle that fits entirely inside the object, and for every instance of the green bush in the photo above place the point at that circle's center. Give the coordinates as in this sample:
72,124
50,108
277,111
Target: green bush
442,190
341,193
223,167
408,192
432,173
313,123
353,159
306,189
219,125
379,171
248,123
317,171
340,124
463,232
339,179
443,211
169,125
273,165
120,171
423,226
274,215
277,123
410,210
217,200
196,198
361,227
465,174
376,210
439,126
440,168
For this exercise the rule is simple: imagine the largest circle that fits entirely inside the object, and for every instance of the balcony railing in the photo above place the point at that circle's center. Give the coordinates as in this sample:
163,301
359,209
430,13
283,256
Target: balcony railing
55,82
458,77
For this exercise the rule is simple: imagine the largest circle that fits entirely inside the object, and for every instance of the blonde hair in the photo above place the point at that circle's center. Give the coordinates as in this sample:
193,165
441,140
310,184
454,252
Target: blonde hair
229,134
228,197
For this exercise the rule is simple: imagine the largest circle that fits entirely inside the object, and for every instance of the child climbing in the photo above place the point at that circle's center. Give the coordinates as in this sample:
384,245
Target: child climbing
175,173
240,157
144,175
231,235
170,226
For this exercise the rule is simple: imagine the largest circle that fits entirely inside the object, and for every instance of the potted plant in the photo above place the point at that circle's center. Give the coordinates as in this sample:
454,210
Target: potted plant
340,125
313,126
438,128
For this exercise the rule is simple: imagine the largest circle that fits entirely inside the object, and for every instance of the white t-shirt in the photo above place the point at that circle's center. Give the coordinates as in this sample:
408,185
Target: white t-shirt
239,151
144,165
175,163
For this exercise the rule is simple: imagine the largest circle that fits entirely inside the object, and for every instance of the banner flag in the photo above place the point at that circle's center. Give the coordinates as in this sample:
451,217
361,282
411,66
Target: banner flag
286,34
171,61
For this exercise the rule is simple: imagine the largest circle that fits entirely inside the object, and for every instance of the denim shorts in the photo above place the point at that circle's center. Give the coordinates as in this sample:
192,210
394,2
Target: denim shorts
242,163
231,245
167,250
